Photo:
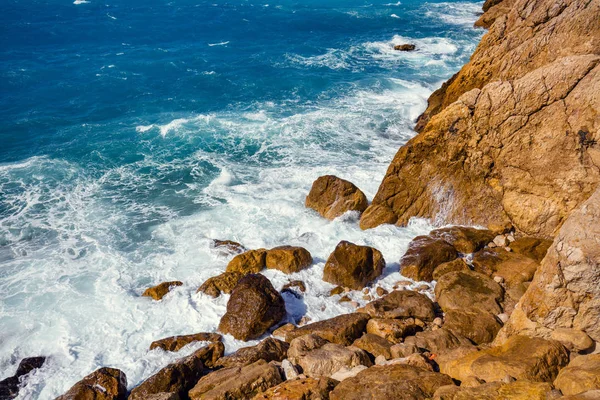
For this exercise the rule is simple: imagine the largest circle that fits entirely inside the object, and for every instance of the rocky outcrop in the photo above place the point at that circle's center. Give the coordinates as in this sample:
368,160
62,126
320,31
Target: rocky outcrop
102,384
353,266
253,308
174,343
159,291
331,197
343,329
269,349
582,374
223,283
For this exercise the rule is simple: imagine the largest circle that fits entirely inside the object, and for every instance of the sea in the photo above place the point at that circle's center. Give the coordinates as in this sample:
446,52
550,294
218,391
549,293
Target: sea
133,133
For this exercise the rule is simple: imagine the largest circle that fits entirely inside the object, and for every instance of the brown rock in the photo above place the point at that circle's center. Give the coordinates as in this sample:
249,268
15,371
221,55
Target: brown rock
464,239
297,284
514,268
589,395
336,290
159,291
102,384
330,358
582,374
424,255
300,389
223,283
401,304
534,248
457,265
573,339
343,329
163,396
393,330
353,266
228,247
283,330
381,291
403,350
302,345
405,47
374,345
439,341
237,382
254,307
250,262
390,382
174,343
518,390
269,349
469,289
474,324
288,259
331,197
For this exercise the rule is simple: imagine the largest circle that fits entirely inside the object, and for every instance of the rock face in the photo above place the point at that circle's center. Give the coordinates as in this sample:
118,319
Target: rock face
254,307
159,291
353,266
391,382
512,139
343,329
469,289
331,197
565,292
401,304
269,349
288,259
582,374
250,262
300,389
223,283
174,343
330,358
102,384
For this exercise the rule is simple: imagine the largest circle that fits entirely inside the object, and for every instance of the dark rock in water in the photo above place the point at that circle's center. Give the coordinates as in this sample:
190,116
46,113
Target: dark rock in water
102,384
9,387
353,266
228,247
331,197
254,307
298,284
223,283
405,47
174,343
159,291
269,349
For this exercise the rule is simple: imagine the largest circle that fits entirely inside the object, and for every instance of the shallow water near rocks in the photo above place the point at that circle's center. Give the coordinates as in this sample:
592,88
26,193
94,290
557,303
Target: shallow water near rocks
133,133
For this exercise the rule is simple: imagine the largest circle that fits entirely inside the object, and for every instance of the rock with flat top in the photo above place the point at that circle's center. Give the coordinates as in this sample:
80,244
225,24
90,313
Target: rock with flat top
353,266
174,343
343,329
288,259
331,197
269,349
401,304
424,255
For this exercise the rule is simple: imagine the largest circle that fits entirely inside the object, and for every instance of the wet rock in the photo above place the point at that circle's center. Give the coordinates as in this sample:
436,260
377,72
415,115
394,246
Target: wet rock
468,289
102,384
393,330
582,374
456,265
518,390
401,304
464,239
237,382
288,259
474,324
300,389
9,387
343,329
302,345
439,341
331,197
336,290
353,266
269,349
159,291
223,283
424,255
390,382
330,358
573,339
253,308
228,247
174,343
250,262
405,47
374,345
295,284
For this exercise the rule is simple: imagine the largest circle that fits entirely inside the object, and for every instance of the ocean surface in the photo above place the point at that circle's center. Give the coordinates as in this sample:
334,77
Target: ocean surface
132,133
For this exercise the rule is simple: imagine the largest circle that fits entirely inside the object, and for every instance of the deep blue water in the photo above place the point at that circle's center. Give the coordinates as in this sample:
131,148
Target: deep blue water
130,131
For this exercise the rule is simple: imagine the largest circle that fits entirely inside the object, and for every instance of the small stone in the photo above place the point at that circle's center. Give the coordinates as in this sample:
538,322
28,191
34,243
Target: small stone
345,299
304,320
498,279
367,297
419,323
438,321
501,241
380,360
510,238
354,304
491,245
365,291
381,291
159,291
289,370
503,317
336,290
507,249
298,284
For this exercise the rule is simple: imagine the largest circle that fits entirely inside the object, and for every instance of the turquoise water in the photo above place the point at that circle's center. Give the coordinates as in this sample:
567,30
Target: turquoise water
134,132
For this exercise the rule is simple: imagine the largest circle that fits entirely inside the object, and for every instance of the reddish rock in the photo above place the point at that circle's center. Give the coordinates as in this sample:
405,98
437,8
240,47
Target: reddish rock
343,329
331,197
159,291
174,343
269,349
288,259
223,283
102,384
353,266
401,304
250,262
424,255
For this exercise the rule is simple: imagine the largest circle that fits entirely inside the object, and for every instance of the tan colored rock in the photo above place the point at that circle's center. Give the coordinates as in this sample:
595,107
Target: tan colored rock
402,350
534,248
283,330
374,345
476,325
582,374
269,349
401,304
237,382
223,283
353,266
159,291
288,259
493,13
438,342
514,268
424,255
302,345
330,358
589,395
457,265
346,373
300,389
102,384
343,329
393,330
469,289
253,308
250,262
464,239
331,197
390,382
174,343
573,339
518,390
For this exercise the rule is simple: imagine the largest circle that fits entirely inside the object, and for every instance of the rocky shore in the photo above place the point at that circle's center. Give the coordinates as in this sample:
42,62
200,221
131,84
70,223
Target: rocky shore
507,163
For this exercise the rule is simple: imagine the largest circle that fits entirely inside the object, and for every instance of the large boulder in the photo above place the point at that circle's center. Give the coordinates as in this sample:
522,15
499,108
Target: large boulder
393,330
439,341
424,255
397,381
300,389
159,291
102,384
469,289
463,238
458,264
253,308
330,358
288,259
343,329
374,345
582,374
174,343
514,268
9,387
353,266
401,304
517,390
476,325
223,283
535,248
331,197
237,382
269,349
250,262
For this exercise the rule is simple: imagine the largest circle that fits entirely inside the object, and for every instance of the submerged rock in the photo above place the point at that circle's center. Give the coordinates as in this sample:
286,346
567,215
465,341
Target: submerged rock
159,291
331,197
102,384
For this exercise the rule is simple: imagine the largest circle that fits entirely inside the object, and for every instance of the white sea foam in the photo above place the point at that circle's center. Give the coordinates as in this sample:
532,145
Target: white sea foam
459,13
80,2
218,44
394,16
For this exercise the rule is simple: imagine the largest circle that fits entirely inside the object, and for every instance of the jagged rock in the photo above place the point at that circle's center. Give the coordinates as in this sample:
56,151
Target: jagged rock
298,284
254,307
457,265
464,239
174,343
302,345
518,390
223,283
346,373
439,341
573,339
424,255
331,197
269,349
474,324
374,345
493,13
159,291
401,304
582,374
330,358
521,357
514,268
180,376
534,248
9,387
300,389
469,289
390,382
353,266
393,330
405,47
237,382
102,384
250,262
565,292
228,247
288,259
343,329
